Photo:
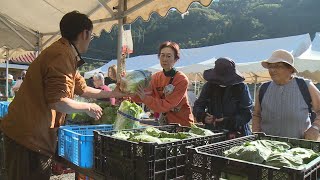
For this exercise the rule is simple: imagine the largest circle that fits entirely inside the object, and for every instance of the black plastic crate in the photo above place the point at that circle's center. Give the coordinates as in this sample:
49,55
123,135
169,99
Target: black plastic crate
207,162
121,159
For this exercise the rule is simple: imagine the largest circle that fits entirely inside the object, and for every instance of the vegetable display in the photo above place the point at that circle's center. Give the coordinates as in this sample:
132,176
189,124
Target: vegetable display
151,134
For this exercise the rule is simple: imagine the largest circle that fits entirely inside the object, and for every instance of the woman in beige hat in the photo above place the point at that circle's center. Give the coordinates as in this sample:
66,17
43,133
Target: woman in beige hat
283,105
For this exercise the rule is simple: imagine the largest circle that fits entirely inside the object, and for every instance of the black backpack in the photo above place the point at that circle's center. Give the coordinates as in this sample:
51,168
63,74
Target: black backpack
303,89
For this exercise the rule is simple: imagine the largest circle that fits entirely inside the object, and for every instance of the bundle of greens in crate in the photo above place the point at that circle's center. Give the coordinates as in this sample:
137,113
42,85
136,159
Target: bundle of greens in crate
253,157
151,134
272,153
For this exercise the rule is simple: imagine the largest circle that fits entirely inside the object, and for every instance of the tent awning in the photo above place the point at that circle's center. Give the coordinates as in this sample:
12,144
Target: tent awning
33,23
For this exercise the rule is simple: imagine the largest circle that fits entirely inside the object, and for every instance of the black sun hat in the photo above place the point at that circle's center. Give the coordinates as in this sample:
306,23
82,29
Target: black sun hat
224,73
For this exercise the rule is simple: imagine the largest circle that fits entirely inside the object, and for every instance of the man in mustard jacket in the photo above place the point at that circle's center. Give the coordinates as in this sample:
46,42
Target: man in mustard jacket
45,97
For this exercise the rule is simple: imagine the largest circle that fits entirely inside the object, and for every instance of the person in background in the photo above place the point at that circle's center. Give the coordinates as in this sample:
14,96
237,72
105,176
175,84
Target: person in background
98,81
168,89
224,101
16,87
46,96
90,82
283,106
111,76
11,84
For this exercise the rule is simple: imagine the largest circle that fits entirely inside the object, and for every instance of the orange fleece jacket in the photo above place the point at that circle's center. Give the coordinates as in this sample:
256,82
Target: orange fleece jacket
178,98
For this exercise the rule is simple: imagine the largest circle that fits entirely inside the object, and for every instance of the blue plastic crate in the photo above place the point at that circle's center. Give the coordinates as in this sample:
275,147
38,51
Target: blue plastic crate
4,108
76,143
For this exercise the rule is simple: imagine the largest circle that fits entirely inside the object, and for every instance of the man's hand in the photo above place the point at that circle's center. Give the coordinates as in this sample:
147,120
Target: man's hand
209,119
311,134
94,111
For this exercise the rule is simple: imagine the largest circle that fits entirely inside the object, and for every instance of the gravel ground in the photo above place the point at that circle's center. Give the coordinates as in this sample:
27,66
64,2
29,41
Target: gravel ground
70,176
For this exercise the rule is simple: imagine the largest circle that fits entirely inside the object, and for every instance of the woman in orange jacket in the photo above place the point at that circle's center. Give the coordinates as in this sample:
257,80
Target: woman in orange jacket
168,89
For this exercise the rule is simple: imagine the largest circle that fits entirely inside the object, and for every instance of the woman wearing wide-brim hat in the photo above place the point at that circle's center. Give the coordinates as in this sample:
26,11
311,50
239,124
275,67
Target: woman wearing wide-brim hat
224,102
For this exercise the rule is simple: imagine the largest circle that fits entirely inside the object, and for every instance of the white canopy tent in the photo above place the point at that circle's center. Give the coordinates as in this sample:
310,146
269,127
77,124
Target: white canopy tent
246,54
34,24
151,62
308,64
133,63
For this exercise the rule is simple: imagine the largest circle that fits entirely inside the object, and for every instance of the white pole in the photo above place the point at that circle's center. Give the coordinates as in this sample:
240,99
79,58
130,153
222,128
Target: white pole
7,72
255,86
195,85
120,32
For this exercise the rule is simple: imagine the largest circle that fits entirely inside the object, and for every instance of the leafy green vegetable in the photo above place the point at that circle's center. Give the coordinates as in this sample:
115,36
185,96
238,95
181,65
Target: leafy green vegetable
123,135
272,153
251,152
165,140
109,113
275,146
179,135
132,80
108,117
284,159
307,155
132,110
152,131
144,138
200,131
152,134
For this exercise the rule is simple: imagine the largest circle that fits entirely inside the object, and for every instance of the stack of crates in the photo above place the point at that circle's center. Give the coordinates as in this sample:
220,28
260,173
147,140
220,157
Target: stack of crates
122,159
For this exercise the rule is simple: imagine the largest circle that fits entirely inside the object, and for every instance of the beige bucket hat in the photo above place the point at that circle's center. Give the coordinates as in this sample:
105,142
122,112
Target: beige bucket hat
280,55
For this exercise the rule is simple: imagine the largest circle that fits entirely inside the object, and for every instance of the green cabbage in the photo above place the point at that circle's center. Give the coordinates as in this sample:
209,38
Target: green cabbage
249,152
284,159
132,80
275,146
144,138
166,140
272,153
109,113
152,131
123,135
132,110
200,131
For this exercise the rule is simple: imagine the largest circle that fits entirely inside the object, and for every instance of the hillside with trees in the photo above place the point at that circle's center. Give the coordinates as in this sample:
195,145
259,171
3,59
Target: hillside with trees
222,22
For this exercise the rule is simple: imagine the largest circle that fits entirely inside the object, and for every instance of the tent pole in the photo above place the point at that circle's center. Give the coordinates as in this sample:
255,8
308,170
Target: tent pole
39,49
255,86
120,65
195,84
7,72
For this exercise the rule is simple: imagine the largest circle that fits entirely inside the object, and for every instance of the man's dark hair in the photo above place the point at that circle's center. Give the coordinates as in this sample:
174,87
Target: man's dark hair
74,23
